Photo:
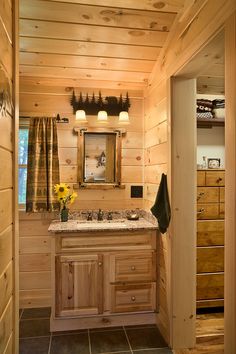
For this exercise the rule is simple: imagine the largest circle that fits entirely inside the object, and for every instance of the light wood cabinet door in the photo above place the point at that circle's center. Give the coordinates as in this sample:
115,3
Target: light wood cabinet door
79,285
133,266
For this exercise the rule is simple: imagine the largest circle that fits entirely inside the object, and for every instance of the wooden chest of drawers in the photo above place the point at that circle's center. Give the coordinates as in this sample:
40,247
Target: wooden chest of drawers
210,238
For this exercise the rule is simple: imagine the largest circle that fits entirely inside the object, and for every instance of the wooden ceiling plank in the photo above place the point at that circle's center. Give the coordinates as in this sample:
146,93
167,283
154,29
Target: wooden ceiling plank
78,83
41,45
73,61
147,5
44,29
95,15
215,69
33,86
41,71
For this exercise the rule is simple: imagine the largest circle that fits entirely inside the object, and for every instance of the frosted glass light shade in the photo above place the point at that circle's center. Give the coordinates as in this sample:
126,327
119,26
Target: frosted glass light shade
102,116
80,115
124,117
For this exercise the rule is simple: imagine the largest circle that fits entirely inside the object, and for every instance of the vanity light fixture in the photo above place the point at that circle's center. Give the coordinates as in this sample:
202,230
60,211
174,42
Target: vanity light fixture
110,106
124,117
80,115
102,116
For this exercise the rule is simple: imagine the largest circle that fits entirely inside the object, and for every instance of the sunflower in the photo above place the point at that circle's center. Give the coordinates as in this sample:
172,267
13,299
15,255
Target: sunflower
61,190
72,197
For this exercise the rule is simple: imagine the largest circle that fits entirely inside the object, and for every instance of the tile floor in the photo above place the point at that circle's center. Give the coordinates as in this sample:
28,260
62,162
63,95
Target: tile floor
35,337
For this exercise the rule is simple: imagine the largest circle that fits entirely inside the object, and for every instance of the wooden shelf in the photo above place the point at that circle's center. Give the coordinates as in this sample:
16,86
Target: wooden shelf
211,122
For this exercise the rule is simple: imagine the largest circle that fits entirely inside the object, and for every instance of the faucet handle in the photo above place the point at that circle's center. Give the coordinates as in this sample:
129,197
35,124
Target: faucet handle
89,216
109,215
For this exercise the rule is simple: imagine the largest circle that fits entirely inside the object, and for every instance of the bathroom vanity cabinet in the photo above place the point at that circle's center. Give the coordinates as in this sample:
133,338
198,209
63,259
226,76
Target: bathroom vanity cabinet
104,278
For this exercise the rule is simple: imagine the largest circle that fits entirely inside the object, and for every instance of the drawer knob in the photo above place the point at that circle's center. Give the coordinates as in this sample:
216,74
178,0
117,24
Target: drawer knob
219,180
133,298
133,267
201,211
100,264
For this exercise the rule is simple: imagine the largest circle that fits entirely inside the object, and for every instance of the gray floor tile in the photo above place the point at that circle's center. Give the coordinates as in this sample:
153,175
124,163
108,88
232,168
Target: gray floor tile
144,338
104,329
108,341
153,351
60,333
34,345
43,312
34,328
70,344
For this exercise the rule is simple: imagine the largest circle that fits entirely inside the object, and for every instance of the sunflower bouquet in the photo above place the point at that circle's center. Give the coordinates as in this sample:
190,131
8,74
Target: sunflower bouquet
64,196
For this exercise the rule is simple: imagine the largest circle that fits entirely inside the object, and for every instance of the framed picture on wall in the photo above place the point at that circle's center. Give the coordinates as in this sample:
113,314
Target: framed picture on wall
213,163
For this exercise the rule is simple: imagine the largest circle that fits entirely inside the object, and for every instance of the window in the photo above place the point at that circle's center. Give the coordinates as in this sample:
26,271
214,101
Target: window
22,161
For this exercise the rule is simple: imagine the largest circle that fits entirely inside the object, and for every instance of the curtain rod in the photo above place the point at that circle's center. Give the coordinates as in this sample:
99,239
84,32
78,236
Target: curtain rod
58,118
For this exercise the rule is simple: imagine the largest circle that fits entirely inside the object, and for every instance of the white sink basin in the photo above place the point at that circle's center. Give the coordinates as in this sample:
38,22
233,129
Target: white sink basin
101,224
116,221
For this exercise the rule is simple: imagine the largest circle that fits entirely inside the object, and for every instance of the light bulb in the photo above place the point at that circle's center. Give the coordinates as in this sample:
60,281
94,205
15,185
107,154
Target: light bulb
80,115
102,116
124,117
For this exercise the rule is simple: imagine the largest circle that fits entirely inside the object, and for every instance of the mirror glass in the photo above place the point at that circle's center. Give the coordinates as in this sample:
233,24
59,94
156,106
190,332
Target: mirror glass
99,157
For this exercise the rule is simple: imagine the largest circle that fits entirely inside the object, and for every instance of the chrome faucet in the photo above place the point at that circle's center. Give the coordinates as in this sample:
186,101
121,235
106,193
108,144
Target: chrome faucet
89,216
100,215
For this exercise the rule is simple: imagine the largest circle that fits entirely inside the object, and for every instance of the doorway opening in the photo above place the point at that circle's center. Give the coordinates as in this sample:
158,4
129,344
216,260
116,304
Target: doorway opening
197,175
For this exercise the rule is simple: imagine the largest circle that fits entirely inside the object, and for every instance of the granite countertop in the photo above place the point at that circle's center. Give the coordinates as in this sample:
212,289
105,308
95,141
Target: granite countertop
95,226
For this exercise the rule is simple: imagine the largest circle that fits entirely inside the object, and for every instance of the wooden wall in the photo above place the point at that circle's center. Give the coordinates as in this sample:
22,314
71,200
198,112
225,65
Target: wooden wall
190,34
44,98
156,159
7,235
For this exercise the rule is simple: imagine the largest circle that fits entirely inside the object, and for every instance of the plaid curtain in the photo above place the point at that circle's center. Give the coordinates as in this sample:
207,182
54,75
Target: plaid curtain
43,165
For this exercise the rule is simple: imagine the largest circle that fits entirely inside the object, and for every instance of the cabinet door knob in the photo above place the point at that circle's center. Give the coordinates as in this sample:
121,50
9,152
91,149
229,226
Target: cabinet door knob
100,264
133,267
133,298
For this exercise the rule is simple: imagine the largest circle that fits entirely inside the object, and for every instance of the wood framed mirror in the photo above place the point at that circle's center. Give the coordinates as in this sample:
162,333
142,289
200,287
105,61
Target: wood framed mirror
99,158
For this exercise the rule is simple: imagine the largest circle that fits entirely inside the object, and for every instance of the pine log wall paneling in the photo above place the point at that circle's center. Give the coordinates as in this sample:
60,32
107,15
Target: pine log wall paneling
7,298
48,99
156,158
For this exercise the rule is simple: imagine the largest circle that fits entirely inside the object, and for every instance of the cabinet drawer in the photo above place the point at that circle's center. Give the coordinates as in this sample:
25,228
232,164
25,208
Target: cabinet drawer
201,178
208,194
136,297
210,286
222,194
130,266
215,178
210,232
222,211
210,259
208,211
106,241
